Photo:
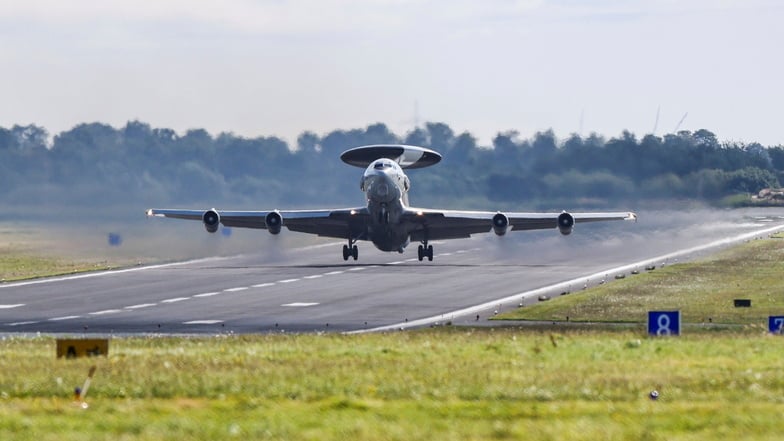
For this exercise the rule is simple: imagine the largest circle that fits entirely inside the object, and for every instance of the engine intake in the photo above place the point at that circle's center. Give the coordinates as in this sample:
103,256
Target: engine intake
565,223
211,220
500,224
274,222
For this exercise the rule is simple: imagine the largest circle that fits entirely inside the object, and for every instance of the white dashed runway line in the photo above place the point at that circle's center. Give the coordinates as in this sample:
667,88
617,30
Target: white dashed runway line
143,305
204,295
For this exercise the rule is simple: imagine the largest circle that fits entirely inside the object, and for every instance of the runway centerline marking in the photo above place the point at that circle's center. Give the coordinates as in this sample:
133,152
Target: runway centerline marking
314,276
140,306
300,304
239,288
17,305
106,311
334,273
263,285
67,317
207,294
23,323
288,280
357,268
175,300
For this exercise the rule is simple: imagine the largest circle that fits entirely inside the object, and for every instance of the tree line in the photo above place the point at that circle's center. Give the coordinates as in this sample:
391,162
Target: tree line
97,165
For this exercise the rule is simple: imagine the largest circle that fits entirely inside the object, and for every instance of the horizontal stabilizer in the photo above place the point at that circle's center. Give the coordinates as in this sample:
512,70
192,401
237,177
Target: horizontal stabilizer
408,156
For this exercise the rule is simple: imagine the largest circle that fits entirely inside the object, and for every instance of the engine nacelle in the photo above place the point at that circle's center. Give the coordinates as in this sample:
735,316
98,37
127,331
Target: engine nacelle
565,223
211,220
274,222
500,224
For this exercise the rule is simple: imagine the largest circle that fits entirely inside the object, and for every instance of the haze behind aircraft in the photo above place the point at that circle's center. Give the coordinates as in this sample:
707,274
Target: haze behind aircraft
387,220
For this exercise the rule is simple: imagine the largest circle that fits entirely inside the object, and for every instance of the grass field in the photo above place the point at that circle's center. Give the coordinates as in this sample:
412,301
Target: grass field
703,291
448,383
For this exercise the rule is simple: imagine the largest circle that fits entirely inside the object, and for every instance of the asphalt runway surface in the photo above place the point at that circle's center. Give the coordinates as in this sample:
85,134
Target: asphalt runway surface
311,289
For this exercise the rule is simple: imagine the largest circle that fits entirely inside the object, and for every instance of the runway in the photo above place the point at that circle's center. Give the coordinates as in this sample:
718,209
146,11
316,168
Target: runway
311,289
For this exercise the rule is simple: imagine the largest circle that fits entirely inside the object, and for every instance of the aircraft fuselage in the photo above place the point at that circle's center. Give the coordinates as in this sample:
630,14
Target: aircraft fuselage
386,190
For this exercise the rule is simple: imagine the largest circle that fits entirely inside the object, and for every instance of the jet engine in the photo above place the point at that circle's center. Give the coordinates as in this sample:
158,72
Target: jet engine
565,223
500,224
211,220
274,222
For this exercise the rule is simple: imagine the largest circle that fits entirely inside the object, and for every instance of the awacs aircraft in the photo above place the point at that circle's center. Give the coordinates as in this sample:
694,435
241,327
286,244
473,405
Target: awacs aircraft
387,220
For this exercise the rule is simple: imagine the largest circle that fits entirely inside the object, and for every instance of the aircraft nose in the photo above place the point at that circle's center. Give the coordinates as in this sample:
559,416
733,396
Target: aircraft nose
380,188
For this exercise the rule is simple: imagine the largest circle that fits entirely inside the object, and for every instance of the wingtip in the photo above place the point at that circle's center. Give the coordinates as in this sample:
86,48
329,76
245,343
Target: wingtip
632,217
149,212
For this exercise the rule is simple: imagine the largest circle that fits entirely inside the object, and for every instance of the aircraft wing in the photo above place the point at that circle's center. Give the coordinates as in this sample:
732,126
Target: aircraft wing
338,223
450,224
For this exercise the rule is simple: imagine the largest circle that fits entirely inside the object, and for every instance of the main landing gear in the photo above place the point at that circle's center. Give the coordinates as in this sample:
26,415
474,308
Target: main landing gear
350,250
425,250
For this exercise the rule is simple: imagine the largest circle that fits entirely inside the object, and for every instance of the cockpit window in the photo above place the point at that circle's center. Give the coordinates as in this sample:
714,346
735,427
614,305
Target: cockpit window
382,165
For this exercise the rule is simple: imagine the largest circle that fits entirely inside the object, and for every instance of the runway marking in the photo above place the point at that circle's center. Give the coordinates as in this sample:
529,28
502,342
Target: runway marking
23,323
413,259
461,251
334,273
11,306
140,306
263,285
444,254
288,280
67,317
202,322
315,276
175,300
357,268
106,311
239,288
398,262
299,304
207,294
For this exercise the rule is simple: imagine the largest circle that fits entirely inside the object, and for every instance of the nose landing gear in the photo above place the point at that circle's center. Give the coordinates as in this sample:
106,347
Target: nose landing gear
425,250
350,250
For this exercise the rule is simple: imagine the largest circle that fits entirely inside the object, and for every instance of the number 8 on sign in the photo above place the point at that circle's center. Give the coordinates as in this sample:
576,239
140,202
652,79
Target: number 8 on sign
662,323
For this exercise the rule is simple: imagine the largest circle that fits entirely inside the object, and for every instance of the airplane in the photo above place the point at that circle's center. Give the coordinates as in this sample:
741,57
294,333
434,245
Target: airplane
387,220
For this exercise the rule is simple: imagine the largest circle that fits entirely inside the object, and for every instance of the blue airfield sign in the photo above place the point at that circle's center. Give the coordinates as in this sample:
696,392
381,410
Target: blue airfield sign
776,323
664,322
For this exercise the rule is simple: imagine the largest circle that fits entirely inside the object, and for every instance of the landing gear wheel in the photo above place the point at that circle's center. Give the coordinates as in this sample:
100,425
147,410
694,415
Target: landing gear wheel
354,252
347,252
430,253
421,252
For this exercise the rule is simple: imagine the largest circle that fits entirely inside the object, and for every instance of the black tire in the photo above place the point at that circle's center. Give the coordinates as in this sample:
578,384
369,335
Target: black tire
430,253
346,252
354,252
421,252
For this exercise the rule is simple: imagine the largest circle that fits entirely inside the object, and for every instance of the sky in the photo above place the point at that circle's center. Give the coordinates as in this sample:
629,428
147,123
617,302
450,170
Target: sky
281,67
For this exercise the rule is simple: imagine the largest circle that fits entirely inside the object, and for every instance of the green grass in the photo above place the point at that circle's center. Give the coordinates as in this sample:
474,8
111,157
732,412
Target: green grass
16,264
703,291
449,383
